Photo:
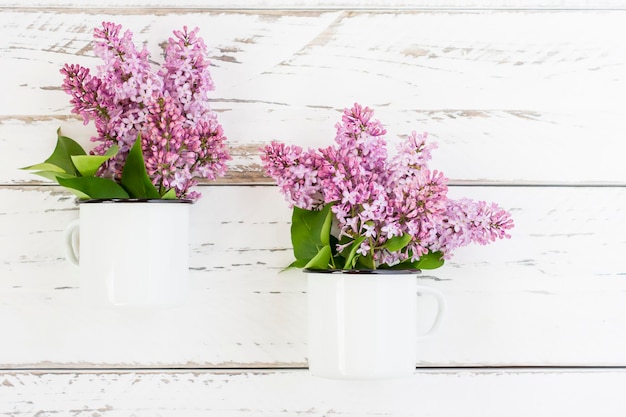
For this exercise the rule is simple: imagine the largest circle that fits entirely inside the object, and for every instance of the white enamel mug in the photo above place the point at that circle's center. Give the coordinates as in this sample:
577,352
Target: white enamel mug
365,325
131,253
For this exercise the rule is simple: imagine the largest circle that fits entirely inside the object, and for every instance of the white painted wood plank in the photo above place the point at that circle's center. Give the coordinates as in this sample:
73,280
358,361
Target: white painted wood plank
489,54
506,147
552,295
259,320
450,393
527,106
562,229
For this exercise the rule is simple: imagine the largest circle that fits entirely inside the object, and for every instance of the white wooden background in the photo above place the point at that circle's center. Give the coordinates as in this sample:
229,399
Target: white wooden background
526,101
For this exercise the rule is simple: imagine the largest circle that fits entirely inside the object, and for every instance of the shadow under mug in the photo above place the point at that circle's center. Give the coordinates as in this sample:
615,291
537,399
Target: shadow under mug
131,253
364,324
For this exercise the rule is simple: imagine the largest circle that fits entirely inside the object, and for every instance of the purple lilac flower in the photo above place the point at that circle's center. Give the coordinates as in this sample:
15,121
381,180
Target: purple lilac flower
296,174
182,140
379,198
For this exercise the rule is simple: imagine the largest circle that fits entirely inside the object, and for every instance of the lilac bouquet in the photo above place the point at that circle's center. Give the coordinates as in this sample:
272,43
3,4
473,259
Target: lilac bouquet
156,134
355,207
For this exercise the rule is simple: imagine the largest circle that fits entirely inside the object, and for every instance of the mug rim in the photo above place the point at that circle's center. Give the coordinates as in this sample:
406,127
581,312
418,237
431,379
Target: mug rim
134,200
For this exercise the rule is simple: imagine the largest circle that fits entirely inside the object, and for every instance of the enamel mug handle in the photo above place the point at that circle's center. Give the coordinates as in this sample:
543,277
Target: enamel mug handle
441,309
72,234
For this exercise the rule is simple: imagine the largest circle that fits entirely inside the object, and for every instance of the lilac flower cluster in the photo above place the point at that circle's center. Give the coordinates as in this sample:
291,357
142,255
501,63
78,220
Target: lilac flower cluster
380,197
182,140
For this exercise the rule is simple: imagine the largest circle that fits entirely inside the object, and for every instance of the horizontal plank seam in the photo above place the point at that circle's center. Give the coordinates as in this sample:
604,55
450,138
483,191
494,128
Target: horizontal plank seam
508,368
292,368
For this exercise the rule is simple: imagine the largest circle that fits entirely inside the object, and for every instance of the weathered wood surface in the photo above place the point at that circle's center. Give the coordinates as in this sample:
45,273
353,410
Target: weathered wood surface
515,93
505,103
449,393
552,295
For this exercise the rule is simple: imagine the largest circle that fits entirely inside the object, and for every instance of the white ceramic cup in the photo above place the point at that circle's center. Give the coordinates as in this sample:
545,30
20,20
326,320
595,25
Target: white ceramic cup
131,253
365,326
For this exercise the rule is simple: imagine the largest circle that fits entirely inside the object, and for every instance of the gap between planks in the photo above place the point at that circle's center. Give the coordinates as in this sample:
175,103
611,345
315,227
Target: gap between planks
267,369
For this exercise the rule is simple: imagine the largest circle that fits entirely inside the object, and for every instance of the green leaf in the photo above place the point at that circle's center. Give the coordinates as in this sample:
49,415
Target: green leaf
62,154
402,265
135,178
298,263
87,165
78,193
397,243
61,157
169,194
321,259
54,175
310,231
365,262
431,260
351,258
93,187
44,166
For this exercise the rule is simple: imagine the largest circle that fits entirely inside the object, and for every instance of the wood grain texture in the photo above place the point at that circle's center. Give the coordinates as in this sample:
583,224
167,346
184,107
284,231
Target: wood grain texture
505,104
553,295
488,393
